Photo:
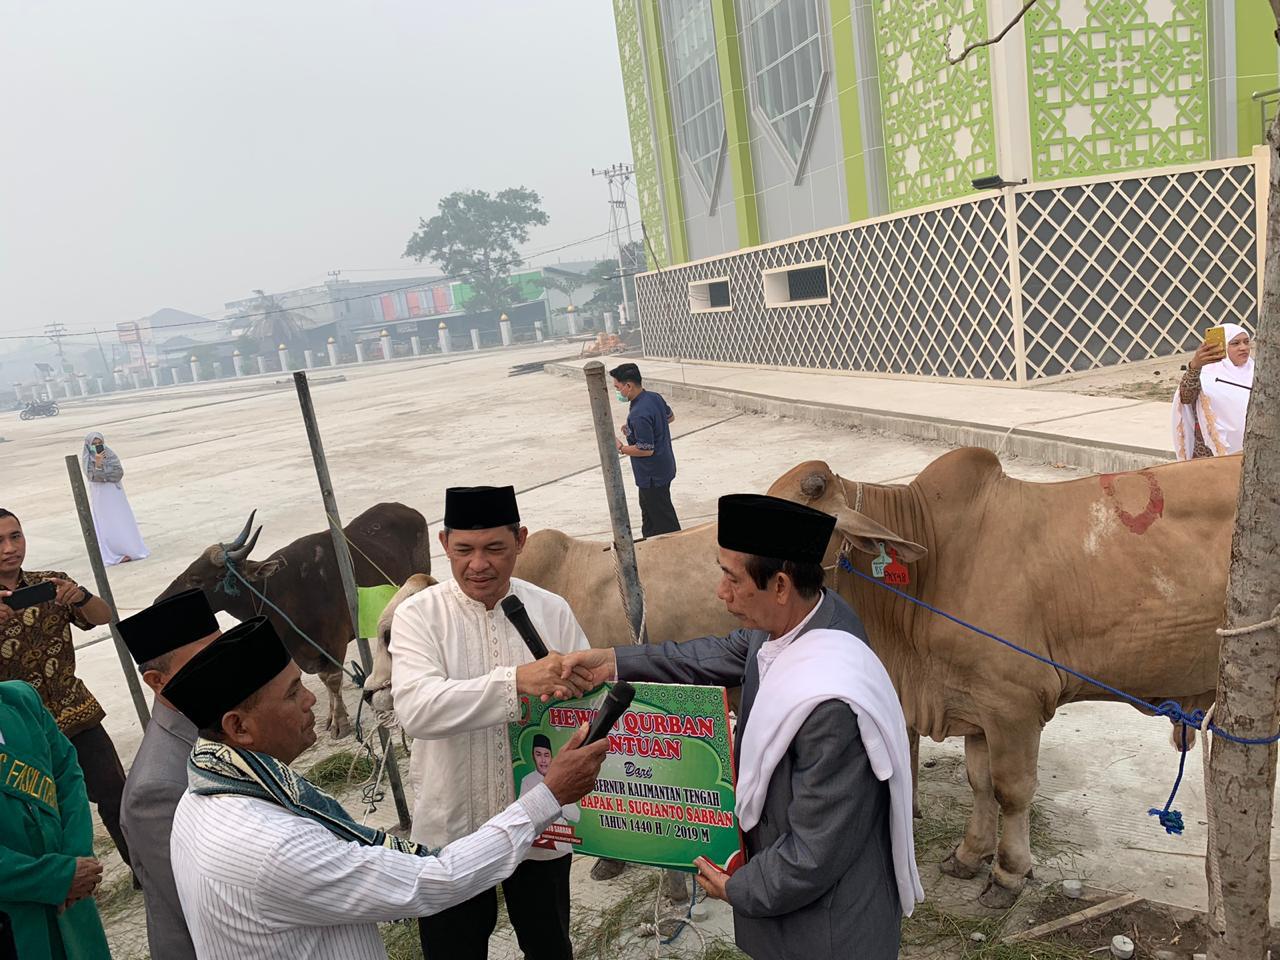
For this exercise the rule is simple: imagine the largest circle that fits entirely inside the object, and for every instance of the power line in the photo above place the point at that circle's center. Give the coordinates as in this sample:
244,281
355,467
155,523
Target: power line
515,261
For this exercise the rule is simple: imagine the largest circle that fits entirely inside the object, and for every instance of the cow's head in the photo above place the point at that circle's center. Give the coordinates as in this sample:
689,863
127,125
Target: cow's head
208,572
815,485
377,686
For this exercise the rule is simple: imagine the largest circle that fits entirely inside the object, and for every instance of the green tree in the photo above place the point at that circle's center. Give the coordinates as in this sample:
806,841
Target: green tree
609,276
474,238
271,323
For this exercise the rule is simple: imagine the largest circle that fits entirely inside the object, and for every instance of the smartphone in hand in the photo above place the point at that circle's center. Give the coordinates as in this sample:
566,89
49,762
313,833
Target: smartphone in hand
1217,336
30,596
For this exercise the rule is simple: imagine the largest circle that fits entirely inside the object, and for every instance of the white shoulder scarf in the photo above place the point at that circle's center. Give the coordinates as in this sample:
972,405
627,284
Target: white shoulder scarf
826,665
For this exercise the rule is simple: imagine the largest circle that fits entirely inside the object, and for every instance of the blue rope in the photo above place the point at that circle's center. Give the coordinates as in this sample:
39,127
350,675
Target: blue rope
688,917
1170,819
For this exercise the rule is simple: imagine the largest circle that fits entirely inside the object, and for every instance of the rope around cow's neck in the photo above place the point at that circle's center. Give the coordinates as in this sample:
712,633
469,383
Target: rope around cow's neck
1169,818
229,587
354,546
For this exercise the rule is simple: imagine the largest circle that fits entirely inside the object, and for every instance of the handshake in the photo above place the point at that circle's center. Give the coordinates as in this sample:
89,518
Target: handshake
563,676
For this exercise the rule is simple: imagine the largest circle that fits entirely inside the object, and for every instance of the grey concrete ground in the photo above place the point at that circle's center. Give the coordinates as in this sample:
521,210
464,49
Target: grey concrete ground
199,458
1100,421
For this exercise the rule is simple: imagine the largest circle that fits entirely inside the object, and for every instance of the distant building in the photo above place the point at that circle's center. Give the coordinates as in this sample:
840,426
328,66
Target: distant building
349,312
354,311
151,339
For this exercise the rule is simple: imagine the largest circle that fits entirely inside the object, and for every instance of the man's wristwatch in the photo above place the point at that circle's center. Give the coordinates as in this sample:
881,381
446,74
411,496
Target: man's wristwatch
83,600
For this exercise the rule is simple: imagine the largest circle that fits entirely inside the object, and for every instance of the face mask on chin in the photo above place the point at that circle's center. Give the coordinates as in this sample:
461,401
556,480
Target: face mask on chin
622,398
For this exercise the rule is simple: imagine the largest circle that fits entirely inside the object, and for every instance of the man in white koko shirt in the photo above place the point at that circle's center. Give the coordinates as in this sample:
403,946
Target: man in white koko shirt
458,672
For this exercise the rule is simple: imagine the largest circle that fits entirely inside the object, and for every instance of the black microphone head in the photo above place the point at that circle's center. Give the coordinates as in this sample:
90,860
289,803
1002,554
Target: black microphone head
614,705
623,693
513,607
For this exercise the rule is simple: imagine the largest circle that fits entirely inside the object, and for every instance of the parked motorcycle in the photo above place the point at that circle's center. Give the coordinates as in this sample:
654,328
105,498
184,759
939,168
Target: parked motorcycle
39,408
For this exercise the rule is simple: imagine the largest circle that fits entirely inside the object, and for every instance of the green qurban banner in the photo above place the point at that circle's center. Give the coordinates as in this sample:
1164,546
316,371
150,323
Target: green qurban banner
665,793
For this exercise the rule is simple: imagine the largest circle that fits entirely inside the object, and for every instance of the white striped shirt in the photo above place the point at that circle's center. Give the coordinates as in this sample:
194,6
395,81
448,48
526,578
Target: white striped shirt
258,883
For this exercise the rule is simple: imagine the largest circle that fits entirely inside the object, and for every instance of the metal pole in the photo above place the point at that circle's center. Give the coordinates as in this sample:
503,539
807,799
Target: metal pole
633,595
104,586
106,367
348,572
628,271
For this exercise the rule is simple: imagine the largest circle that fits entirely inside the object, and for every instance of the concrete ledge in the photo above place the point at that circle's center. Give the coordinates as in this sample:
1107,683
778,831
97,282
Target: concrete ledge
1029,442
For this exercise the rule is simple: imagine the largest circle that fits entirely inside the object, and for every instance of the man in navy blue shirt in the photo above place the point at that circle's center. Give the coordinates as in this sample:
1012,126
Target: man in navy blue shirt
647,441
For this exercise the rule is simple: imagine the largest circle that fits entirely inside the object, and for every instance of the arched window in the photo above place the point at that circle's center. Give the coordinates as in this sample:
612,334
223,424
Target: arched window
788,68
695,86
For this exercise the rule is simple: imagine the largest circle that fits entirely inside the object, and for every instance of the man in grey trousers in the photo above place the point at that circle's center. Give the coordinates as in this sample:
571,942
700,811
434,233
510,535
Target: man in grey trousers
162,638
829,867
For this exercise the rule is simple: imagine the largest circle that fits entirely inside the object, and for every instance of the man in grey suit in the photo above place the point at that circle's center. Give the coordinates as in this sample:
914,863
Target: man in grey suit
162,638
822,877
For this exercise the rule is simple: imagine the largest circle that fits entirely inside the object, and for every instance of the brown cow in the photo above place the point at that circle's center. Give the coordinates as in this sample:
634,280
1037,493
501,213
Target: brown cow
389,540
1122,577
679,573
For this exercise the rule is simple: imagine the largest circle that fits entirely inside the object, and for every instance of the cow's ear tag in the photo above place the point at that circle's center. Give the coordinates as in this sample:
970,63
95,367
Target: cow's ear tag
896,572
879,564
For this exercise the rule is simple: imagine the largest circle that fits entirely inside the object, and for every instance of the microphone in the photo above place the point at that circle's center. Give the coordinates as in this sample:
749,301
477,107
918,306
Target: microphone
513,607
615,705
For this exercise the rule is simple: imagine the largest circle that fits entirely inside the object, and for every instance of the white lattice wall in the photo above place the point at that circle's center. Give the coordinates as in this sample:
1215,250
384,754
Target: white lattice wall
1088,274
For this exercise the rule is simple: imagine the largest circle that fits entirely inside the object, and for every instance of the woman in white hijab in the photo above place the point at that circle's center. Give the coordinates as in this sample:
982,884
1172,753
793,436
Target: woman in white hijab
1211,401
118,535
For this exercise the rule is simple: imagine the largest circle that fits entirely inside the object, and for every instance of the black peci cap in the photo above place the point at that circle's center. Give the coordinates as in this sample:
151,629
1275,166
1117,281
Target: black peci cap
227,672
772,527
165,626
480,508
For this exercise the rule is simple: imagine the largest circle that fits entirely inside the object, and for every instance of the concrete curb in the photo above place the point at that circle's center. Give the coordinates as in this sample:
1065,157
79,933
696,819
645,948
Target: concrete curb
1019,441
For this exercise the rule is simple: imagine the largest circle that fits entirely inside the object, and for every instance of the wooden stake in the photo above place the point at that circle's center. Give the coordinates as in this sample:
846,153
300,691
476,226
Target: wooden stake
81,496
348,572
1080,916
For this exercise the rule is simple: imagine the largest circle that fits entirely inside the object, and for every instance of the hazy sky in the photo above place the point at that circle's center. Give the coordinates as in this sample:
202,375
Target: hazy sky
160,153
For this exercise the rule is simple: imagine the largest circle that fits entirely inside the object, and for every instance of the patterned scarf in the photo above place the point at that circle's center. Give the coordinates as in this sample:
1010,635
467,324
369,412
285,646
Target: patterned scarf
220,769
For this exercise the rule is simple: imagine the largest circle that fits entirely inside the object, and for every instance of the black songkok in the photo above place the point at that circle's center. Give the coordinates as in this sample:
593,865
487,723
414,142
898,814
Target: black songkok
165,626
480,508
227,672
772,527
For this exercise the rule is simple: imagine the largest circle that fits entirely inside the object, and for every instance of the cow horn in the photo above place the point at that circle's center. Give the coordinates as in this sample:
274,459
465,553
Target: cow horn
238,542
240,554
813,486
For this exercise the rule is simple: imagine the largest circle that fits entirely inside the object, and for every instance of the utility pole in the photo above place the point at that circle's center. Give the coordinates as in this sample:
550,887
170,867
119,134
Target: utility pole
55,332
618,176
106,367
